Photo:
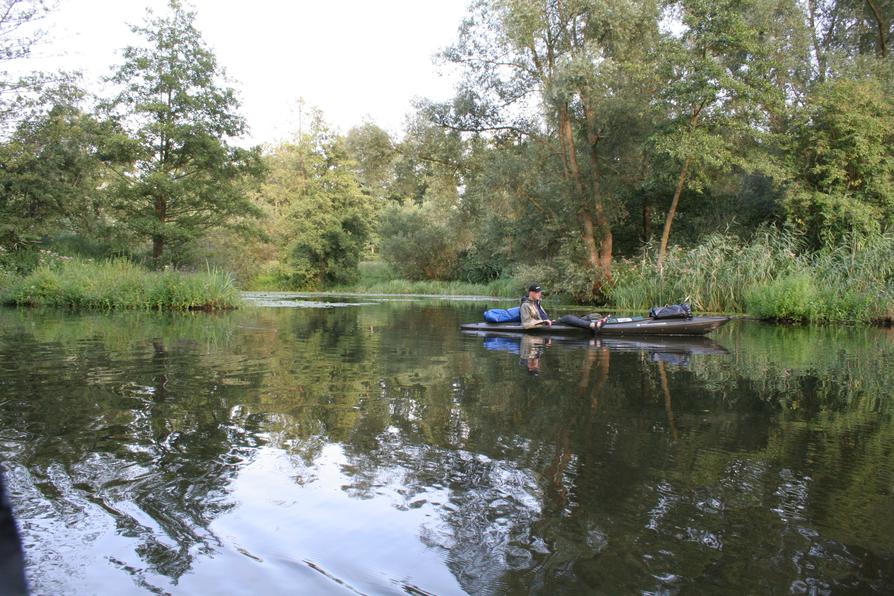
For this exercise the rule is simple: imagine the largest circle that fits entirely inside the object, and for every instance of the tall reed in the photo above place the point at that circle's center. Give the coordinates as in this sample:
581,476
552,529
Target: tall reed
713,276
770,276
851,282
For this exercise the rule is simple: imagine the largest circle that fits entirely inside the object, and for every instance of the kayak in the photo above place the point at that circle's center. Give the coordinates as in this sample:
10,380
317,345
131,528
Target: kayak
617,326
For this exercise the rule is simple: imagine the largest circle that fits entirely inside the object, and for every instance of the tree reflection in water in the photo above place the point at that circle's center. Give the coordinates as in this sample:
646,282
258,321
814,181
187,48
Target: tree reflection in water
759,460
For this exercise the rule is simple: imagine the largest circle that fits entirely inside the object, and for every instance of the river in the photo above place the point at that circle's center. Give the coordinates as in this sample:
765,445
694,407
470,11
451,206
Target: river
366,445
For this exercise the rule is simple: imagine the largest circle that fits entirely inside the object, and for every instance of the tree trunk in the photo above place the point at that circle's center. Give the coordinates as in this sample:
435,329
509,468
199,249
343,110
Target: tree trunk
647,219
665,235
602,223
566,132
882,32
820,54
158,239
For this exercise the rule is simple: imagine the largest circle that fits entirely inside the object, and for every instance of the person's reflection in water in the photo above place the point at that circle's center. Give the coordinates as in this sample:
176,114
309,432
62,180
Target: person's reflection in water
531,350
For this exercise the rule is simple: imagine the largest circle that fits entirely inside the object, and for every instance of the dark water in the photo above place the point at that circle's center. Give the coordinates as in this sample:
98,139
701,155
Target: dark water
376,449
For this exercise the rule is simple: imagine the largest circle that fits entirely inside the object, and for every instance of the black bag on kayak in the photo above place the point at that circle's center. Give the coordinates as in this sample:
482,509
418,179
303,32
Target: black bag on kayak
671,311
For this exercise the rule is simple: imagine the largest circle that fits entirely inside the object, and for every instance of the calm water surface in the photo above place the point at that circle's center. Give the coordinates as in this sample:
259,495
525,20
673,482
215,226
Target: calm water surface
371,447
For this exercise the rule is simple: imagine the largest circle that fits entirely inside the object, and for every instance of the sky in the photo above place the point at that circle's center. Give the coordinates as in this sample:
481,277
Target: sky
355,60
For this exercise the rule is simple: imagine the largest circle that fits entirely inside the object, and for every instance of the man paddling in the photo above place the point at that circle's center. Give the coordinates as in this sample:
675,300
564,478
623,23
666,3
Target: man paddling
533,315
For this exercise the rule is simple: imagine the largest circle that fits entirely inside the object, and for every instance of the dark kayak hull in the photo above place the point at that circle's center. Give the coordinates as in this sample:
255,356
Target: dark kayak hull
693,326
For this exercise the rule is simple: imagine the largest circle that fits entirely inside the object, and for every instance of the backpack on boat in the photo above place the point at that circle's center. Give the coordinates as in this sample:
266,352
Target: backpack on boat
671,311
503,315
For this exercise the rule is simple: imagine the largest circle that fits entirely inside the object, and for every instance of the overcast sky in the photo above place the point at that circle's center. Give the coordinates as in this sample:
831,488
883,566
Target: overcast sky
356,60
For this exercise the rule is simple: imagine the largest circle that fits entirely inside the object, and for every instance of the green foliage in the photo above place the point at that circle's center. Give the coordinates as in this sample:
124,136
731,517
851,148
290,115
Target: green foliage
793,297
319,219
417,244
186,178
52,176
119,284
844,157
377,277
375,156
769,277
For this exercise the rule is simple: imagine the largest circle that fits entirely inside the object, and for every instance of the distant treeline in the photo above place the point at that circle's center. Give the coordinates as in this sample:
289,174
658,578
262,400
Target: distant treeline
589,146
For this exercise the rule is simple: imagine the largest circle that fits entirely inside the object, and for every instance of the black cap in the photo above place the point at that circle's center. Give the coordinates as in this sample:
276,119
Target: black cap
534,288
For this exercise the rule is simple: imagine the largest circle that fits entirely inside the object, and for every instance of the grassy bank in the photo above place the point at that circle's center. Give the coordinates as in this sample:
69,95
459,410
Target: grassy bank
770,276
118,284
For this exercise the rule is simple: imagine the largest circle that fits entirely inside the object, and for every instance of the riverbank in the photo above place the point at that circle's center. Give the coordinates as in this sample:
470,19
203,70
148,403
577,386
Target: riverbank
118,285
770,277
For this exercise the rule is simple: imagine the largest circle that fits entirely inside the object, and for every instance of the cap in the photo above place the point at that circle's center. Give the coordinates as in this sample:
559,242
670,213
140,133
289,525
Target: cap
534,288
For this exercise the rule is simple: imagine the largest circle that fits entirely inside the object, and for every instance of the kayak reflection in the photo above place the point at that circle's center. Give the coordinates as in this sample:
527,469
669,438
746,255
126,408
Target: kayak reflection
674,350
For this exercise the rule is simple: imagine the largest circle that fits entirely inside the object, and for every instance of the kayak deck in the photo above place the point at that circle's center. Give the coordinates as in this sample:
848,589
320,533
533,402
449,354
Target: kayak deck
693,326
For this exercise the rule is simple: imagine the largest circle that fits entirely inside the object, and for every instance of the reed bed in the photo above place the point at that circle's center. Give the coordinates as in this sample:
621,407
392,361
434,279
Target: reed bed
713,276
120,284
769,276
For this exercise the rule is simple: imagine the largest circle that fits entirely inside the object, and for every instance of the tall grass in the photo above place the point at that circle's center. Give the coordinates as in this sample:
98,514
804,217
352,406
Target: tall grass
769,276
713,276
852,282
119,284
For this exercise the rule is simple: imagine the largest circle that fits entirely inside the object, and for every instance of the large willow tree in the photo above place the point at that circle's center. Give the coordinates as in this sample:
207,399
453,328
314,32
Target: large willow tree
180,120
570,71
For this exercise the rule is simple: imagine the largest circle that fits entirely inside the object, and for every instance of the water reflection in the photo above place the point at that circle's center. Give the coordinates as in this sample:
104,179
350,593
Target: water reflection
377,449
674,350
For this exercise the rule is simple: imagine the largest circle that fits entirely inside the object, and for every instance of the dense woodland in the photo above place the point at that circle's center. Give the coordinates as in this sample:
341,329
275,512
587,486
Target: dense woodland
737,153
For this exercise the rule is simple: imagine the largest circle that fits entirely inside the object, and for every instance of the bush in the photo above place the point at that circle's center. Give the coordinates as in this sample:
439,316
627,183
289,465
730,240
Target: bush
272,276
792,298
417,244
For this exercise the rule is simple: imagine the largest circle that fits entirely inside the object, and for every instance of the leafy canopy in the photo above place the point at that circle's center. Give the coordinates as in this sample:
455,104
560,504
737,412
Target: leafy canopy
179,120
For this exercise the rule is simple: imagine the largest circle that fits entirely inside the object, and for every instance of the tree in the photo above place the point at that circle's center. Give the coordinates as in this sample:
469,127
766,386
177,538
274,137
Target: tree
179,119
372,149
718,80
319,219
843,30
844,162
577,69
18,35
52,173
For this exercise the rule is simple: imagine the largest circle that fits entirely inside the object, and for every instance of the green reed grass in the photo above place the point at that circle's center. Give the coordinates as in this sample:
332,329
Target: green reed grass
713,276
120,284
769,276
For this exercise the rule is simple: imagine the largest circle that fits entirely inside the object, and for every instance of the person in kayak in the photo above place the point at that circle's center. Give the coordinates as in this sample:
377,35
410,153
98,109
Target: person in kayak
533,315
